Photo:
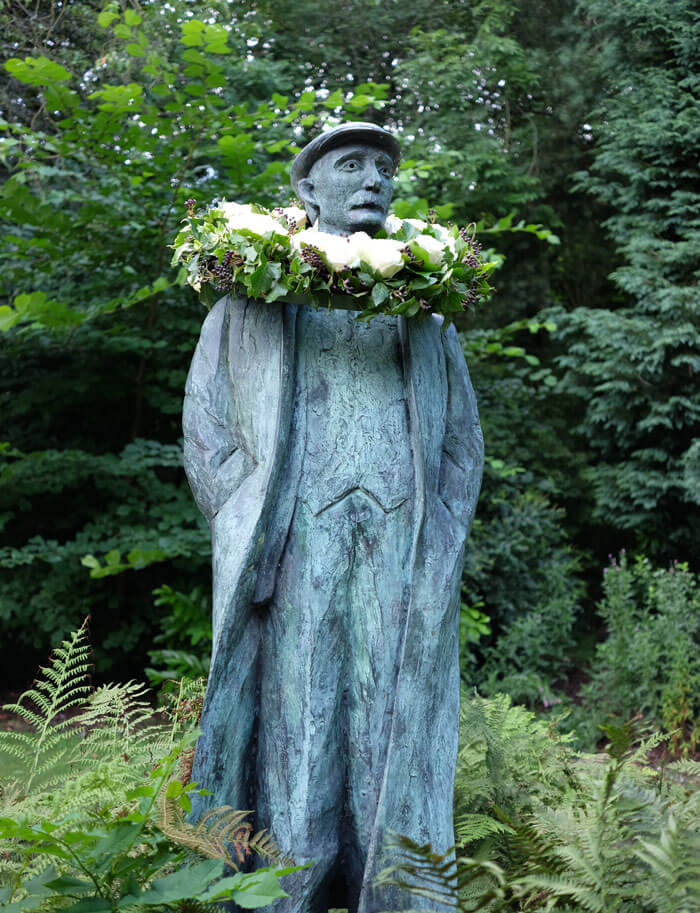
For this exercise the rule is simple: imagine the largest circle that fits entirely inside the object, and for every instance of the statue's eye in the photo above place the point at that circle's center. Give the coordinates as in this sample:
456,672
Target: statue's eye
350,165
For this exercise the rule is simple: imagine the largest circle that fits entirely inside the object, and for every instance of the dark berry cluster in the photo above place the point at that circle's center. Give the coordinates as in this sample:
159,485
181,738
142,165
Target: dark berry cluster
190,205
472,298
291,223
223,272
312,256
409,253
471,258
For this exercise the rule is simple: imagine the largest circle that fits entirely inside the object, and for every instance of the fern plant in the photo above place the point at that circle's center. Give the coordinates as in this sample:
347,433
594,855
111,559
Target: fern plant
98,823
545,828
41,755
461,882
612,851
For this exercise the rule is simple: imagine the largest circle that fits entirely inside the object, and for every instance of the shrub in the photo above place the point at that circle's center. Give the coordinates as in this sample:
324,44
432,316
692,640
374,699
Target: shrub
649,663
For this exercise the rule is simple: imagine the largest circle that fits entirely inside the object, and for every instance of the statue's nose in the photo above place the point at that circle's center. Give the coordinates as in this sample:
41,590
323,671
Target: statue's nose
373,179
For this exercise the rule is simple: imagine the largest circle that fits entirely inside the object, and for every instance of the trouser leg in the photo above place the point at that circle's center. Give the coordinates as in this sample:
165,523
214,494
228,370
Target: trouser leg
377,602
414,776
301,750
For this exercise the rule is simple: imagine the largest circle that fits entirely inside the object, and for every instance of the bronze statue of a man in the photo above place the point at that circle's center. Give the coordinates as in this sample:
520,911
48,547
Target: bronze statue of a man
338,463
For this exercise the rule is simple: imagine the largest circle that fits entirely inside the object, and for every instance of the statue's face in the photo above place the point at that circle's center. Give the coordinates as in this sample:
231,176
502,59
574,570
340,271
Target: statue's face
351,188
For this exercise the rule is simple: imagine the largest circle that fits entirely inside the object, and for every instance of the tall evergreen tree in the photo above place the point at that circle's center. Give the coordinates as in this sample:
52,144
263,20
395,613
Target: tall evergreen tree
634,368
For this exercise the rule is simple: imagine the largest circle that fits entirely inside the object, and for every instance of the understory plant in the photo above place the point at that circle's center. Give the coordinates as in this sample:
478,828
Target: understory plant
541,827
185,635
94,800
649,663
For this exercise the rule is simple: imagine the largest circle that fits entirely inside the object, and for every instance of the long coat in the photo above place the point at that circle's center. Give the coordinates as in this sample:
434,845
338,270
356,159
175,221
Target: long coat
236,421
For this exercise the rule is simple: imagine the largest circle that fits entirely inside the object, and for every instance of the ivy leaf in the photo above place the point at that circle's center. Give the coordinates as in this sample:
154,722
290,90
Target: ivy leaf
263,278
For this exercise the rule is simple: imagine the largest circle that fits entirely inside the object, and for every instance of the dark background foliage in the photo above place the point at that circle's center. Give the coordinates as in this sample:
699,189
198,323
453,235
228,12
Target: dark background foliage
580,117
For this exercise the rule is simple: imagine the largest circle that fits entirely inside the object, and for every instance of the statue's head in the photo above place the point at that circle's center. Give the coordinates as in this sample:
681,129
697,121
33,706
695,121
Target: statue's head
344,178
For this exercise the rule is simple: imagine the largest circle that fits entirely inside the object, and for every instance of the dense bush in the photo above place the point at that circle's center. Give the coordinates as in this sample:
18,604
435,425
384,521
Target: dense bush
649,663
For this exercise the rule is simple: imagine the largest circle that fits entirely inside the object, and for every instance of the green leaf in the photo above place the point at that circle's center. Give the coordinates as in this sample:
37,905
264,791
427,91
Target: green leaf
105,18
174,789
186,883
380,293
90,905
141,791
258,889
131,17
122,31
263,278
60,98
69,884
36,71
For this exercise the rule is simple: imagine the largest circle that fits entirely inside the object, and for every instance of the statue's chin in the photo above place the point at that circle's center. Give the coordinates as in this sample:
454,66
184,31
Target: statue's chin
368,220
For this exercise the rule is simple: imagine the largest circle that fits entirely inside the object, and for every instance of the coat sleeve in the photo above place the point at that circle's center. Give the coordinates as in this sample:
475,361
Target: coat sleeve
462,460
215,461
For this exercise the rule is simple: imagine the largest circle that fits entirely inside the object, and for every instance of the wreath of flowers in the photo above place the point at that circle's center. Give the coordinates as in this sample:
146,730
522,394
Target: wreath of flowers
410,268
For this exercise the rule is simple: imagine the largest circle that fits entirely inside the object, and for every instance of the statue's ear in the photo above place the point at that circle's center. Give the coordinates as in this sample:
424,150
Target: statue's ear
306,190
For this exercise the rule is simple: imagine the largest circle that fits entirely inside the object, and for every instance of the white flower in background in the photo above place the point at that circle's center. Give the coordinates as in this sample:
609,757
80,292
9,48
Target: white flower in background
417,223
241,216
383,255
432,247
337,250
393,224
232,209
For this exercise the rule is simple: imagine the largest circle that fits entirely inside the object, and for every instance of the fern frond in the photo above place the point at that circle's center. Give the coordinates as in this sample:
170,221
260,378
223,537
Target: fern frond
469,828
674,863
220,833
64,687
464,883
118,718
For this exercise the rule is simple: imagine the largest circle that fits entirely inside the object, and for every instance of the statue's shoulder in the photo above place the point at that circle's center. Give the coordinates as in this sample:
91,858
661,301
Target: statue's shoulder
218,317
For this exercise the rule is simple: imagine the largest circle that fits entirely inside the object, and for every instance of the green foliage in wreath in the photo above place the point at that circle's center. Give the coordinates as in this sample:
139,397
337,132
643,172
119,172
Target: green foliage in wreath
410,268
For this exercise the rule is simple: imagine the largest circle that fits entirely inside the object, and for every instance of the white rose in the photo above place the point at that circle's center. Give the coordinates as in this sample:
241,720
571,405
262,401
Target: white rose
233,209
295,214
241,216
383,255
445,236
392,225
337,250
417,223
432,247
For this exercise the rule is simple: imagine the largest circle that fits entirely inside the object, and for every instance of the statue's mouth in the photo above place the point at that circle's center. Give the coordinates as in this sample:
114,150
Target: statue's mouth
369,204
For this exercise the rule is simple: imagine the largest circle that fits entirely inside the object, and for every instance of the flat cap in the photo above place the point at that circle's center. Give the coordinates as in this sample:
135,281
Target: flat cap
352,132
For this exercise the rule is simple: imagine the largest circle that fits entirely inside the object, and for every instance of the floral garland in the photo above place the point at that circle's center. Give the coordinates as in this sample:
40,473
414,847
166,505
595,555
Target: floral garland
410,268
